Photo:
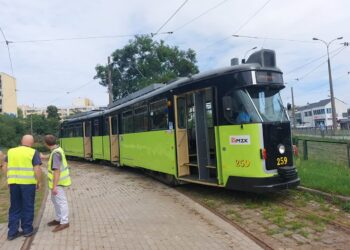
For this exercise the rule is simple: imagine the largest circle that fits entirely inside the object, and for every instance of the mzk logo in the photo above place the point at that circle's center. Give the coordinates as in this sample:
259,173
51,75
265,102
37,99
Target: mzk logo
240,140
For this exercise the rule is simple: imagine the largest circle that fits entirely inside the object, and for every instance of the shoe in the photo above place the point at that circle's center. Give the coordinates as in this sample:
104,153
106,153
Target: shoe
18,234
60,227
53,223
31,233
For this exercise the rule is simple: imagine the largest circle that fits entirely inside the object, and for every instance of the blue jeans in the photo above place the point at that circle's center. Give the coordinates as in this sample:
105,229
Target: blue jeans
22,208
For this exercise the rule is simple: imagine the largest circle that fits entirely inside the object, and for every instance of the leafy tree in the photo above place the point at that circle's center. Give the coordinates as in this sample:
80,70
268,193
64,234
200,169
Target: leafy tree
52,112
144,61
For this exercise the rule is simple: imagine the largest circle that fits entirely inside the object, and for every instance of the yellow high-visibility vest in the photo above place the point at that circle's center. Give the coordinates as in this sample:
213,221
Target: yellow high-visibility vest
64,170
20,167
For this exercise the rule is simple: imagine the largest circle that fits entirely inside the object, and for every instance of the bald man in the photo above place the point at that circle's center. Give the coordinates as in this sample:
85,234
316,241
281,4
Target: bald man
22,167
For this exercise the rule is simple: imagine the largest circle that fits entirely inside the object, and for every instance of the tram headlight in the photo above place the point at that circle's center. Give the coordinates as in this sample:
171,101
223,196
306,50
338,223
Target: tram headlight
281,149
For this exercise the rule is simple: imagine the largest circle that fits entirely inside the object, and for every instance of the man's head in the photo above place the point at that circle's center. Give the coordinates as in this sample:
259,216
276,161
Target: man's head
27,140
50,140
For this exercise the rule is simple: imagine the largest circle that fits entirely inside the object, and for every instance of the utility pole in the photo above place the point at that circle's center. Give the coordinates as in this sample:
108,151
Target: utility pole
334,112
110,94
293,108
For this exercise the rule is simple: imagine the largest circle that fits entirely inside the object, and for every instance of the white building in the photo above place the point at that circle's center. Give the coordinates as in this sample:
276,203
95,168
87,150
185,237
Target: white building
314,114
79,105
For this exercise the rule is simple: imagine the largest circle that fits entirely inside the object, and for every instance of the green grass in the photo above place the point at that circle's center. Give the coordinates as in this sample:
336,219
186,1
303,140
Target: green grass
5,198
324,176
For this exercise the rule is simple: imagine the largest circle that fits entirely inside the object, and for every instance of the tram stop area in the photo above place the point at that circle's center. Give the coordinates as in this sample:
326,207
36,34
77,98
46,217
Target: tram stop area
124,209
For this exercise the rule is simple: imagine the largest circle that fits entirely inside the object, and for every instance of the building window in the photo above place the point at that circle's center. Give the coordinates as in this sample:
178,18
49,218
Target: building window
141,118
329,110
128,122
159,115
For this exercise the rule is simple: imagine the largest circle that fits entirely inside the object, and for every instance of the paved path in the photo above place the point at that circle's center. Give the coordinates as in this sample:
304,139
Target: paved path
121,209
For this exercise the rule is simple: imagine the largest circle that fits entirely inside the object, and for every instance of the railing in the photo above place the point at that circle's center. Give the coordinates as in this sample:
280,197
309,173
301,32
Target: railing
323,149
327,132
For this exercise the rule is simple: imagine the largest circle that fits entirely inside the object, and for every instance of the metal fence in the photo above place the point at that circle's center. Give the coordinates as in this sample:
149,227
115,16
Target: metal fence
342,134
332,151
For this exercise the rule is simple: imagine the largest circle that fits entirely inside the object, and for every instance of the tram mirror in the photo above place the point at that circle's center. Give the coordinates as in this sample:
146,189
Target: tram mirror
289,106
227,103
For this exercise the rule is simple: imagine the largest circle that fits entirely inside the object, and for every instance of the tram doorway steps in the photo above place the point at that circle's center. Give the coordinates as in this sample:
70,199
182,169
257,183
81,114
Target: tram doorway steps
194,179
194,169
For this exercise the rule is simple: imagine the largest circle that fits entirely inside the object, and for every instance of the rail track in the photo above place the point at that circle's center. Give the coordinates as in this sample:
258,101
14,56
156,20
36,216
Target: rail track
335,223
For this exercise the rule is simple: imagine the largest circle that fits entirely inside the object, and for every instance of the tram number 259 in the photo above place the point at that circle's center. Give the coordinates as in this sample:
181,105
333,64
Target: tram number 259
281,161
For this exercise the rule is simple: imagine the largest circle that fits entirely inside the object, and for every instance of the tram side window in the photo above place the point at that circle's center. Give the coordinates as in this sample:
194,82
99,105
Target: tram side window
159,115
181,112
115,125
128,122
238,108
96,127
141,119
87,129
106,126
79,130
70,131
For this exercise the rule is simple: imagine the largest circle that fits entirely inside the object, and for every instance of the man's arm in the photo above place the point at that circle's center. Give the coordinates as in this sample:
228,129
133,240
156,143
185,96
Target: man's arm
37,173
56,179
4,168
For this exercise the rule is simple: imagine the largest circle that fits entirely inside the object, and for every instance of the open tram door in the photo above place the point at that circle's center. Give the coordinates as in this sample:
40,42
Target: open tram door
114,139
195,137
87,139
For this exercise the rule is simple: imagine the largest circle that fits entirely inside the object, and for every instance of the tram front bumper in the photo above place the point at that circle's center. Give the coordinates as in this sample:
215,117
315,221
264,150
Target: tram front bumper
261,185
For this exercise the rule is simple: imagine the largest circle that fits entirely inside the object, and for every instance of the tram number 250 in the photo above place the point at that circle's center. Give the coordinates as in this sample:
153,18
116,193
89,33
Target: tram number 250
281,161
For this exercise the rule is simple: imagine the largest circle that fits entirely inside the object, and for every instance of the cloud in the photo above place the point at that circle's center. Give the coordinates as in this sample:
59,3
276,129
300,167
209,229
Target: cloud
47,71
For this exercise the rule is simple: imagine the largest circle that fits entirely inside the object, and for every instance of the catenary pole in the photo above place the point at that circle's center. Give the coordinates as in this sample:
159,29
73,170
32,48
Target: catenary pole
110,94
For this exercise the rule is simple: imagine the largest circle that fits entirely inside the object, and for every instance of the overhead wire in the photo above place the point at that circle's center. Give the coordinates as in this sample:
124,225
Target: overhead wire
273,38
312,61
8,50
199,16
82,38
246,22
318,66
171,17
73,90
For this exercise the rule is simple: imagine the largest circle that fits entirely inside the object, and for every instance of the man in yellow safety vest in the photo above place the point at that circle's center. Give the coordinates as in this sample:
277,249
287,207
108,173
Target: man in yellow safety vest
22,167
58,179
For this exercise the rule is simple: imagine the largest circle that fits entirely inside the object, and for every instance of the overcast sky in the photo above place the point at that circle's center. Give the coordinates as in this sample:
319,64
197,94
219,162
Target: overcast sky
51,72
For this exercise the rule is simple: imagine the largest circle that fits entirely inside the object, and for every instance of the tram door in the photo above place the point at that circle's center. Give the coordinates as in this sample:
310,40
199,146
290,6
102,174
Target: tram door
195,138
87,139
114,139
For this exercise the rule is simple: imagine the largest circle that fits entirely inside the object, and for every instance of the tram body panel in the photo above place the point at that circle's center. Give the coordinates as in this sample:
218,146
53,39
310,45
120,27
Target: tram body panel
106,147
73,146
97,148
153,150
240,151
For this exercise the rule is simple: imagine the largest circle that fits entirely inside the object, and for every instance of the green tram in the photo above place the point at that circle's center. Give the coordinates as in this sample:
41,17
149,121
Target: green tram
225,128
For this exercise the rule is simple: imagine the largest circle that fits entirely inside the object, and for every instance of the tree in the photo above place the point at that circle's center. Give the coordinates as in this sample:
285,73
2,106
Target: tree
144,61
52,112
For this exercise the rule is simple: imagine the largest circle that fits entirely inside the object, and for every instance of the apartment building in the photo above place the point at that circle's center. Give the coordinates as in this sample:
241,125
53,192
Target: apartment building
8,95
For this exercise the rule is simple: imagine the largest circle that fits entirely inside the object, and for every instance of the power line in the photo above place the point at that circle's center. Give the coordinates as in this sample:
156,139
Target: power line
241,26
318,66
8,50
171,17
312,61
200,15
272,38
251,17
73,90
83,38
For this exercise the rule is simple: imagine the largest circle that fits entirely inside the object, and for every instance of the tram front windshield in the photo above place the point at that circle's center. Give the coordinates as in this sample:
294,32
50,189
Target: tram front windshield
253,106
269,104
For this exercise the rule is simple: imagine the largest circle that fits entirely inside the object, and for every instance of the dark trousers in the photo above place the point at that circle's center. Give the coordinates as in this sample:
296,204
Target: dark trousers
22,208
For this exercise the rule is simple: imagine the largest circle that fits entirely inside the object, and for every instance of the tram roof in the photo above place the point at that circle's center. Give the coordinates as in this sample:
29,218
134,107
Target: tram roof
158,90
